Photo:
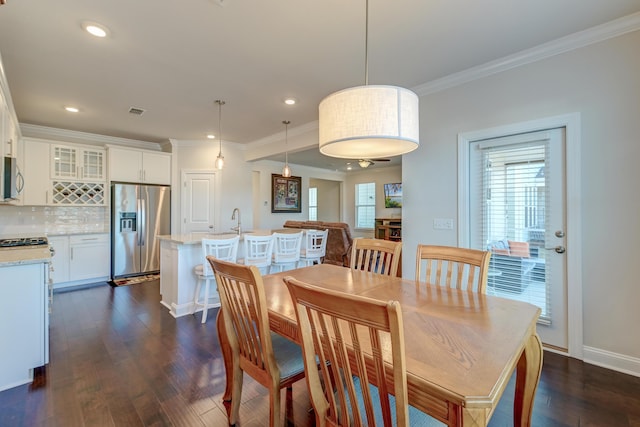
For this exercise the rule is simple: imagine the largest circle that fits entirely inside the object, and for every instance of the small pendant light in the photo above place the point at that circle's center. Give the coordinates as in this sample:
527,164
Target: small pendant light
219,164
286,170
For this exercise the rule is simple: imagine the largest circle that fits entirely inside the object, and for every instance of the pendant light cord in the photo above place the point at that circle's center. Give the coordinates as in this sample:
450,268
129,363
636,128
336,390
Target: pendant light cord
366,45
286,141
220,104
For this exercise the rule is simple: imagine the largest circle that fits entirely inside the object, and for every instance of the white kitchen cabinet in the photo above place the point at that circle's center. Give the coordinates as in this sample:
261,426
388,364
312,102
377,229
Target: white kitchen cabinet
8,130
89,256
80,259
78,163
40,189
59,259
139,166
37,185
24,322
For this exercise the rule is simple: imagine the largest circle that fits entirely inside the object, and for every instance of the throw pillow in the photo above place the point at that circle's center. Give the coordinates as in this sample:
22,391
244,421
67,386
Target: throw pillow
499,251
520,249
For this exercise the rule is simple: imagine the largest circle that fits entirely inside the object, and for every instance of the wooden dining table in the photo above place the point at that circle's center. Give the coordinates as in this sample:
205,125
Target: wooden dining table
461,347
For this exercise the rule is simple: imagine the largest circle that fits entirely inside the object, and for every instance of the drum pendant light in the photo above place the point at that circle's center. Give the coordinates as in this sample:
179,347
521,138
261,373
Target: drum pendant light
219,164
369,121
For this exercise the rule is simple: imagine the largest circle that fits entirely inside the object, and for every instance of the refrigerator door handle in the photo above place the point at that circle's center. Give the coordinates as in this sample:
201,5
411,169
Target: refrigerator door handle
139,220
143,221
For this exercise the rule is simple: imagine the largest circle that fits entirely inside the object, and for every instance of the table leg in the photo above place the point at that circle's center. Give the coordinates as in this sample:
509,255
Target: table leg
527,378
227,356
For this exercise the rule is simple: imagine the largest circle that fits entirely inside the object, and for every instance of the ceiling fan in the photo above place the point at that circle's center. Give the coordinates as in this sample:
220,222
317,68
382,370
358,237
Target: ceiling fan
365,163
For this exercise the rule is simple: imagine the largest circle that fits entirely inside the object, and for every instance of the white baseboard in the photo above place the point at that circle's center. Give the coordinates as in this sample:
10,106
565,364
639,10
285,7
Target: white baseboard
607,359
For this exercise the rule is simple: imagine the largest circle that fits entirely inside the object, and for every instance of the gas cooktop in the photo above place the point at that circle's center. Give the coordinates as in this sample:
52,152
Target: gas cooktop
21,242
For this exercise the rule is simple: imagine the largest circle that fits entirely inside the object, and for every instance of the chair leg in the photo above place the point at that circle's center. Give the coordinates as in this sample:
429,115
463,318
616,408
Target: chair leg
205,306
274,412
236,394
195,299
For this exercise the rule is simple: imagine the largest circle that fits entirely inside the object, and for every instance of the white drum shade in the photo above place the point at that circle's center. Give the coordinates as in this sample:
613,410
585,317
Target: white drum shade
369,122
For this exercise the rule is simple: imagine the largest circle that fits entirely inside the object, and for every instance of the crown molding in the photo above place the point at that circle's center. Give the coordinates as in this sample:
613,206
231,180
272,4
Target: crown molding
203,142
573,41
65,135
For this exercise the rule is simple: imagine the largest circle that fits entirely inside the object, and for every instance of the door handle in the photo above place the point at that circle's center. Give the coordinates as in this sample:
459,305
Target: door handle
558,249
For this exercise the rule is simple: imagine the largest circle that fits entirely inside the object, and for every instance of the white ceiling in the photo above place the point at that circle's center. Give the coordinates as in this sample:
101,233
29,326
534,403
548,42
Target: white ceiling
174,58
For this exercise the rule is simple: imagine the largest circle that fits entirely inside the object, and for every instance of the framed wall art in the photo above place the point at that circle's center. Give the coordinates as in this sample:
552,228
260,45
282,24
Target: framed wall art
285,194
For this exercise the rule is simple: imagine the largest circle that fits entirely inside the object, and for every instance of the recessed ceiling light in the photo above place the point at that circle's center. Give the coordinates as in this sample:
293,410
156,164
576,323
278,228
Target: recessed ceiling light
290,101
211,136
71,109
95,29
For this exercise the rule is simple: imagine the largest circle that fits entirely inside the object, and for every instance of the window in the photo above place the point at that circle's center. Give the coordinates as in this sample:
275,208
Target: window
365,205
313,204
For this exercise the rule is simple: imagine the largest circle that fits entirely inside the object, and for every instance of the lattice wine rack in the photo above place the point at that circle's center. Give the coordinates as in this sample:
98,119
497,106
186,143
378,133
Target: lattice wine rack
78,193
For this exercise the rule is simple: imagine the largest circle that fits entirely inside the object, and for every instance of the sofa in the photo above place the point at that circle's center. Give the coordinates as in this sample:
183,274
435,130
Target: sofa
339,239
511,265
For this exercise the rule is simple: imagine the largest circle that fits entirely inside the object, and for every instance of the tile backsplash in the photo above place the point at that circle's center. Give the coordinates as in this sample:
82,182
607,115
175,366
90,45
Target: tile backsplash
19,220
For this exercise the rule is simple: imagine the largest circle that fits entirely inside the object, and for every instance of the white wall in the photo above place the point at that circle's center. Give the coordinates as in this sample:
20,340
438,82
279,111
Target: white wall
329,199
601,83
380,176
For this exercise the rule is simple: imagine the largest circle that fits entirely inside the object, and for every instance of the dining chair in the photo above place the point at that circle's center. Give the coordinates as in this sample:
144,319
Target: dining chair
269,358
257,251
286,250
459,268
315,247
224,249
376,255
363,380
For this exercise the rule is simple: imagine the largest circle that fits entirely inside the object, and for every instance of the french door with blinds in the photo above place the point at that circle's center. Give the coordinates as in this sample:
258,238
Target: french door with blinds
517,211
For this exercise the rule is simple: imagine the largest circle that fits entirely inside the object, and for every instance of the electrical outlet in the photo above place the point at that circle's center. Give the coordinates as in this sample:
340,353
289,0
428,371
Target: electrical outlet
443,224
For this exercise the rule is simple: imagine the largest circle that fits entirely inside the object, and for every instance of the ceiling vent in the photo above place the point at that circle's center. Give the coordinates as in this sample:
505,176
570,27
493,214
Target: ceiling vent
136,111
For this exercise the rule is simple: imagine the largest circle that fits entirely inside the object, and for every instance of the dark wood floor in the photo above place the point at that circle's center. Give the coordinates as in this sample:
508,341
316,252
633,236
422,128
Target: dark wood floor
119,359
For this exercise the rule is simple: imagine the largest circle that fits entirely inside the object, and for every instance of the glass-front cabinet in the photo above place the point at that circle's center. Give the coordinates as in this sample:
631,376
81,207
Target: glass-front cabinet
78,163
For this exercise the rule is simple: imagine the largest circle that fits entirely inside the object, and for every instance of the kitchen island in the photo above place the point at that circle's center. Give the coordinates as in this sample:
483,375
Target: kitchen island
179,255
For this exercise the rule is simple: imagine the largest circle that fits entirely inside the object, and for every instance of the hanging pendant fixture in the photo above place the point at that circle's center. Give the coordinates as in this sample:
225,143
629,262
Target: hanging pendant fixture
219,164
286,170
369,121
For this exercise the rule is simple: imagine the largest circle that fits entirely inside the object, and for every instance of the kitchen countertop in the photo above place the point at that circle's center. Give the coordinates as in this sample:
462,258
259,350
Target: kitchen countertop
73,233
196,238
10,257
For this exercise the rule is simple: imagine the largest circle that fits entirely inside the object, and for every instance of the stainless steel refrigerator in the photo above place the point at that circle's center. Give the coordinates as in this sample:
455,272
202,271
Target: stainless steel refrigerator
139,213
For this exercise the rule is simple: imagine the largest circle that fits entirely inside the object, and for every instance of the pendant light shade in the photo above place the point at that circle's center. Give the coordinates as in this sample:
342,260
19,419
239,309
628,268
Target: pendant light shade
286,170
219,163
369,121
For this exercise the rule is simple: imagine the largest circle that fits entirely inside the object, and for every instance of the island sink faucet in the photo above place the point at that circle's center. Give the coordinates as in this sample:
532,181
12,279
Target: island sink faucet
233,216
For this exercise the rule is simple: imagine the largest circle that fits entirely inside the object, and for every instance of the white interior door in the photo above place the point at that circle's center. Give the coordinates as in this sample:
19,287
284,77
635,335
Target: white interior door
198,202
517,209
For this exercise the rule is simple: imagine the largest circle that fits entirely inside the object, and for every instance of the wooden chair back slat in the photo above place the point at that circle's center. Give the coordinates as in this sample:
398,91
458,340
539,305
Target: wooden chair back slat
459,268
376,255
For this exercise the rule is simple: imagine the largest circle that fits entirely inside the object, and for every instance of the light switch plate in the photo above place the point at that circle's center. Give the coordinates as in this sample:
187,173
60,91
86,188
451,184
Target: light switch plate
443,224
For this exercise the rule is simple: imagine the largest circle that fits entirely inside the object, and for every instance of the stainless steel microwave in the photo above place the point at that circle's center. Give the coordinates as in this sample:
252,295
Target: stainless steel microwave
12,181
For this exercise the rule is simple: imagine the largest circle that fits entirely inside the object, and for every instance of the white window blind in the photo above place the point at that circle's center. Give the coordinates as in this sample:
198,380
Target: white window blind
313,204
365,205
509,212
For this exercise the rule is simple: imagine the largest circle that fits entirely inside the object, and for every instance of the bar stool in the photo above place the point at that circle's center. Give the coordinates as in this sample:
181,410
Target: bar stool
286,250
315,247
257,251
224,249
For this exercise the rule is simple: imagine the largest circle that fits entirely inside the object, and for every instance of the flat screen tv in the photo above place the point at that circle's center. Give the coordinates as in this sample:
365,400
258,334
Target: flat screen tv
393,195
